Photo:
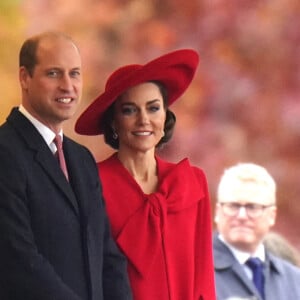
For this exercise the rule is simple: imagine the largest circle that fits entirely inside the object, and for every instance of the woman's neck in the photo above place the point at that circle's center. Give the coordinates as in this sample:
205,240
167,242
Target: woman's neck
143,168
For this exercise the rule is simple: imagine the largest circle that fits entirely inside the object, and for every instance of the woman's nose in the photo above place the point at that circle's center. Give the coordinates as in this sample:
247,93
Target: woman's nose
143,117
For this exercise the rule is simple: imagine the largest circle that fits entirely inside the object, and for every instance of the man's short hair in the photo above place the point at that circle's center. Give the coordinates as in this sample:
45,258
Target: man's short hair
250,173
27,55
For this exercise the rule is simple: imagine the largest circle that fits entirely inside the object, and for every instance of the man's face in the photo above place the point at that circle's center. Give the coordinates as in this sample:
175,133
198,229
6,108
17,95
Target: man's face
240,229
53,92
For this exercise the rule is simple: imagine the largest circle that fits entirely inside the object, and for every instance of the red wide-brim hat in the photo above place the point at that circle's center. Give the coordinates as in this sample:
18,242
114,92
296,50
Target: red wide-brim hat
174,70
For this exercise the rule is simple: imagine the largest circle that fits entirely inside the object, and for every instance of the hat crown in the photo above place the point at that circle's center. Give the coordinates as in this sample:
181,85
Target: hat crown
120,75
174,71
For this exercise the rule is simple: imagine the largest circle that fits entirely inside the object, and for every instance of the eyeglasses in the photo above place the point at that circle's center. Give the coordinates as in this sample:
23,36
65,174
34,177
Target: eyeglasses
253,210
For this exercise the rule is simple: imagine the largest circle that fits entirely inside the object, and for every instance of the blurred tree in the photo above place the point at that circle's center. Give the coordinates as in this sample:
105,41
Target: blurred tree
243,104
11,24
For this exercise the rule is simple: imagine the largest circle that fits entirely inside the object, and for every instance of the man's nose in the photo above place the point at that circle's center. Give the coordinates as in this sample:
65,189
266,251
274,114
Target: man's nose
242,212
66,83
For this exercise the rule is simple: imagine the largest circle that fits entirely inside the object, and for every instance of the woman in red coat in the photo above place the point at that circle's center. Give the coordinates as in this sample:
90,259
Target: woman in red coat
159,211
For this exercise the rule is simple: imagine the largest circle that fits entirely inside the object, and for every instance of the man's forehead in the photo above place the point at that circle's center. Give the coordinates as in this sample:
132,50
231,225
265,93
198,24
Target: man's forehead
249,192
58,50
50,43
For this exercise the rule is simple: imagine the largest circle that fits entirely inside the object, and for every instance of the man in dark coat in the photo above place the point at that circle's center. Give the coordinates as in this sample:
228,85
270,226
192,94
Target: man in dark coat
245,212
55,241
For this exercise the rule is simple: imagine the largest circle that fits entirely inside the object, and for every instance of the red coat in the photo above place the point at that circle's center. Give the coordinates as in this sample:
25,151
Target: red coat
165,235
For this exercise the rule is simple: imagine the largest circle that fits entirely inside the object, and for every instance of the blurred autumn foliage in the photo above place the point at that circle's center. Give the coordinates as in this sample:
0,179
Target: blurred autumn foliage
244,103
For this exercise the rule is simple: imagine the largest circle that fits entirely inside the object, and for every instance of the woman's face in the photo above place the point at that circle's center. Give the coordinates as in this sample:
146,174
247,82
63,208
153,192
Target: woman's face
139,118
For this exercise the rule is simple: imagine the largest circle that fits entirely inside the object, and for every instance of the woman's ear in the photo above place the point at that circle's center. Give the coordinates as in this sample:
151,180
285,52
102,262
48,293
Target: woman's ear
113,125
114,132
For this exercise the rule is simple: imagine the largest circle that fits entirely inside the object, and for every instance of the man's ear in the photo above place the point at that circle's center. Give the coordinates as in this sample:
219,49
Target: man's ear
217,208
23,77
272,216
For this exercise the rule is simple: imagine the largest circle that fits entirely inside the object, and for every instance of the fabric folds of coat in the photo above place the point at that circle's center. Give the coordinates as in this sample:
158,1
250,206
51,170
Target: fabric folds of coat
55,240
165,235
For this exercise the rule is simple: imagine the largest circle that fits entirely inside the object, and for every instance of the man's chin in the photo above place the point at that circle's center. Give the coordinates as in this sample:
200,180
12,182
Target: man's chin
242,242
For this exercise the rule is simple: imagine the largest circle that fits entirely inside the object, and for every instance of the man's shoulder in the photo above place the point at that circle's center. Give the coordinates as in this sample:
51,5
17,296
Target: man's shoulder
283,266
78,151
223,257
71,143
10,138
6,131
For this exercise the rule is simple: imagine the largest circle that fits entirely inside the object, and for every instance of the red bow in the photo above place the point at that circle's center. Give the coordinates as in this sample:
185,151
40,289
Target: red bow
141,237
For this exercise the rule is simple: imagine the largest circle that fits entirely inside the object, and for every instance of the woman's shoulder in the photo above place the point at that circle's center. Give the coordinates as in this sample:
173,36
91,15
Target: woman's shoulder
183,163
183,166
109,161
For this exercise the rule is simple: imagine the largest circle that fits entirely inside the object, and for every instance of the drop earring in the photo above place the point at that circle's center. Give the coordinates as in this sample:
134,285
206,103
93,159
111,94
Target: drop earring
115,135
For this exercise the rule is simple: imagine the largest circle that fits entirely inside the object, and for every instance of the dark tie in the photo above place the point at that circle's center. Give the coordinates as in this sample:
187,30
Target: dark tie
256,265
60,155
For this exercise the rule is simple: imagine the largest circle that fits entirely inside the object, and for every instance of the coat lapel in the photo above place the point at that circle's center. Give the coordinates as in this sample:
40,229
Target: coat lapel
77,181
224,259
42,154
237,269
81,184
52,168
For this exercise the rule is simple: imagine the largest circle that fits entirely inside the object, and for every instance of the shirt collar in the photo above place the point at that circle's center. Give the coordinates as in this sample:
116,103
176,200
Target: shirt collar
242,256
47,134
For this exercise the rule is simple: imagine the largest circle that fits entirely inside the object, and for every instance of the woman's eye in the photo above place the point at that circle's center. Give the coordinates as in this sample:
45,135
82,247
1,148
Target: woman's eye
154,108
128,110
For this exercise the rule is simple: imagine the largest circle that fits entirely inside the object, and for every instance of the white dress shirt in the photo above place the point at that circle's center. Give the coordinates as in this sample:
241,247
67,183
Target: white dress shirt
47,134
242,256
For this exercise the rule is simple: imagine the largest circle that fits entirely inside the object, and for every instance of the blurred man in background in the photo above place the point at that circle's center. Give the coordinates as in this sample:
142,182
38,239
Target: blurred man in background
245,212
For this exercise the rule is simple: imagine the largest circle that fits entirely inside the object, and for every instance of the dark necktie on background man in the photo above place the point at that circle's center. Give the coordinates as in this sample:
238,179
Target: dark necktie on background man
256,265
60,155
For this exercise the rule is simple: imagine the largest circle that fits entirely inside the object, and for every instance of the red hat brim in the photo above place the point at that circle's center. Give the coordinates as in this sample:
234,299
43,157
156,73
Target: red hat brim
174,70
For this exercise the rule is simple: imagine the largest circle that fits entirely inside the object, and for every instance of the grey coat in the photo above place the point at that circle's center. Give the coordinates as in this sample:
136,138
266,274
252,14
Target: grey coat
282,279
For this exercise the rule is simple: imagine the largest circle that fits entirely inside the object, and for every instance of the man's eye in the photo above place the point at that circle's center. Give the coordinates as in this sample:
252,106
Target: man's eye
253,206
52,73
75,74
237,206
233,206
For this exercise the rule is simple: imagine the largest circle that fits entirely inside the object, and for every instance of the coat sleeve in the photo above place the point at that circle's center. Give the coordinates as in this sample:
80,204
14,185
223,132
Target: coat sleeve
115,278
25,273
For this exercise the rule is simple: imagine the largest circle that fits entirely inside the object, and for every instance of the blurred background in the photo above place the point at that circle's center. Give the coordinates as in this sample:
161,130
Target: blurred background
244,103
